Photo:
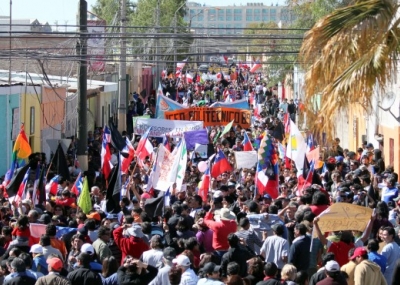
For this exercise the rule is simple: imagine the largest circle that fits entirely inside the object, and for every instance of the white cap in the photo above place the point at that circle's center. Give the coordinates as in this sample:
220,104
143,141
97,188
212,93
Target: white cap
87,248
181,260
217,194
36,248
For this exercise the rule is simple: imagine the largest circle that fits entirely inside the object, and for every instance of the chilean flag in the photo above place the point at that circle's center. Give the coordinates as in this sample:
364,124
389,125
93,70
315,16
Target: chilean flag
52,187
21,194
144,148
106,153
130,153
255,67
247,146
166,143
221,164
267,180
77,187
310,143
205,185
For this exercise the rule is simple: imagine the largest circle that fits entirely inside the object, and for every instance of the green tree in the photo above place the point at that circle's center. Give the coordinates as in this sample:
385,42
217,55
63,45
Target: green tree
348,53
109,10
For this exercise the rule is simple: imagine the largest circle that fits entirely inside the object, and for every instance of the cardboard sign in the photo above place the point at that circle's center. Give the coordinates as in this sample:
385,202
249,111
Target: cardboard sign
344,216
245,159
219,116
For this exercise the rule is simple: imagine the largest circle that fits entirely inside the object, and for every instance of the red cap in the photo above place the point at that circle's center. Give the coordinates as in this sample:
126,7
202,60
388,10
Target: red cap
145,195
55,263
359,251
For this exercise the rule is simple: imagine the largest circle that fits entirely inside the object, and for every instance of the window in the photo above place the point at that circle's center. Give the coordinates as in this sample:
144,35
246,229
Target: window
221,17
249,12
249,18
265,18
229,11
32,121
273,11
237,11
238,18
257,18
228,18
200,17
273,18
257,12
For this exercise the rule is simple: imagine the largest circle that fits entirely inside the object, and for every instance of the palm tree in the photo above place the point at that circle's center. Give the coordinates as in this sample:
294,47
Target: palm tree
346,54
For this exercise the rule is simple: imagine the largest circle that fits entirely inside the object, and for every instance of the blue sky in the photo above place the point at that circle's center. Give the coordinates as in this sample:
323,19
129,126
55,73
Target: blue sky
66,10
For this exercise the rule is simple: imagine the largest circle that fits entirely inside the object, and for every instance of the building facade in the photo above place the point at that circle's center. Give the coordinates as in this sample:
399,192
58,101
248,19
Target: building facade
228,20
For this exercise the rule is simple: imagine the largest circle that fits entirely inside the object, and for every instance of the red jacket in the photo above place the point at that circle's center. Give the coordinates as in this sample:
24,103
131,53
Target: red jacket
221,231
129,245
69,202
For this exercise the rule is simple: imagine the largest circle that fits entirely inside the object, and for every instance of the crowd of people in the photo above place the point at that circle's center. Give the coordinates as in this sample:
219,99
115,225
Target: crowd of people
237,235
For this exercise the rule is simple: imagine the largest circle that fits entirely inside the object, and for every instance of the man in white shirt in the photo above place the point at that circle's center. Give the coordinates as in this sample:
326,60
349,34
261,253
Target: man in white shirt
162,278
275,248
154,256
188,276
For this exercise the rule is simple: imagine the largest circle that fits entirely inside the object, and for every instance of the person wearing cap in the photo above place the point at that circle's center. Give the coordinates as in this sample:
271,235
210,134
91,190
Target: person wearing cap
169,254
133,245
101,243
154,255
94,264
54,267
366,272
83,274
39,261
188,276
333,275
211,273
221,228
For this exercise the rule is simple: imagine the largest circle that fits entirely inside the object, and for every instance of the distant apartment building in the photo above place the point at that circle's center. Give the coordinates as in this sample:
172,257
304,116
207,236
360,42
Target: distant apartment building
23,25
228,20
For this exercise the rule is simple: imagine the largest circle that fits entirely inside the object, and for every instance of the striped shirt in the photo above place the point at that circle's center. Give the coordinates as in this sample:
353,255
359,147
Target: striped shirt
251,239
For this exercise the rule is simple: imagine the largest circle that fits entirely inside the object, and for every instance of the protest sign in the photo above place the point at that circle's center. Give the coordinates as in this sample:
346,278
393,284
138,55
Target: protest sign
238,104
165,104
245,159
212,116
134,119
344,216
161,127
202,150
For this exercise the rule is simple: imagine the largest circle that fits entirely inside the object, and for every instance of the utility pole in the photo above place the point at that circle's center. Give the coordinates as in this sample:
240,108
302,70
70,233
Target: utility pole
122,98
158,73
81,49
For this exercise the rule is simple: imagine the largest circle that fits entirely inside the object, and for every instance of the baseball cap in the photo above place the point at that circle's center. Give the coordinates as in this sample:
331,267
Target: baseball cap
94,215
332,266
169,253
135,231
87,248
55,263
182,260
36,248
145,196
359,251
231,184
44,219
211,267
267,196
370,145
217,194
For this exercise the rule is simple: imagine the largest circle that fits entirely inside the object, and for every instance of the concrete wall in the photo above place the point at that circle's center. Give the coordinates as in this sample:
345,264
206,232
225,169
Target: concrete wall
6,142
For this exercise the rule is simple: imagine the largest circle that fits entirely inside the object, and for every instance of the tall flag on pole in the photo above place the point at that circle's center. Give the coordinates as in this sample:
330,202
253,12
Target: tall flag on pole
144,148
84,201
296,147
52,186
247,146
39,195
21,194
267,168
21,146
60,162
13,187
127,155
106,153
116,138
221,164
77,187
310,143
